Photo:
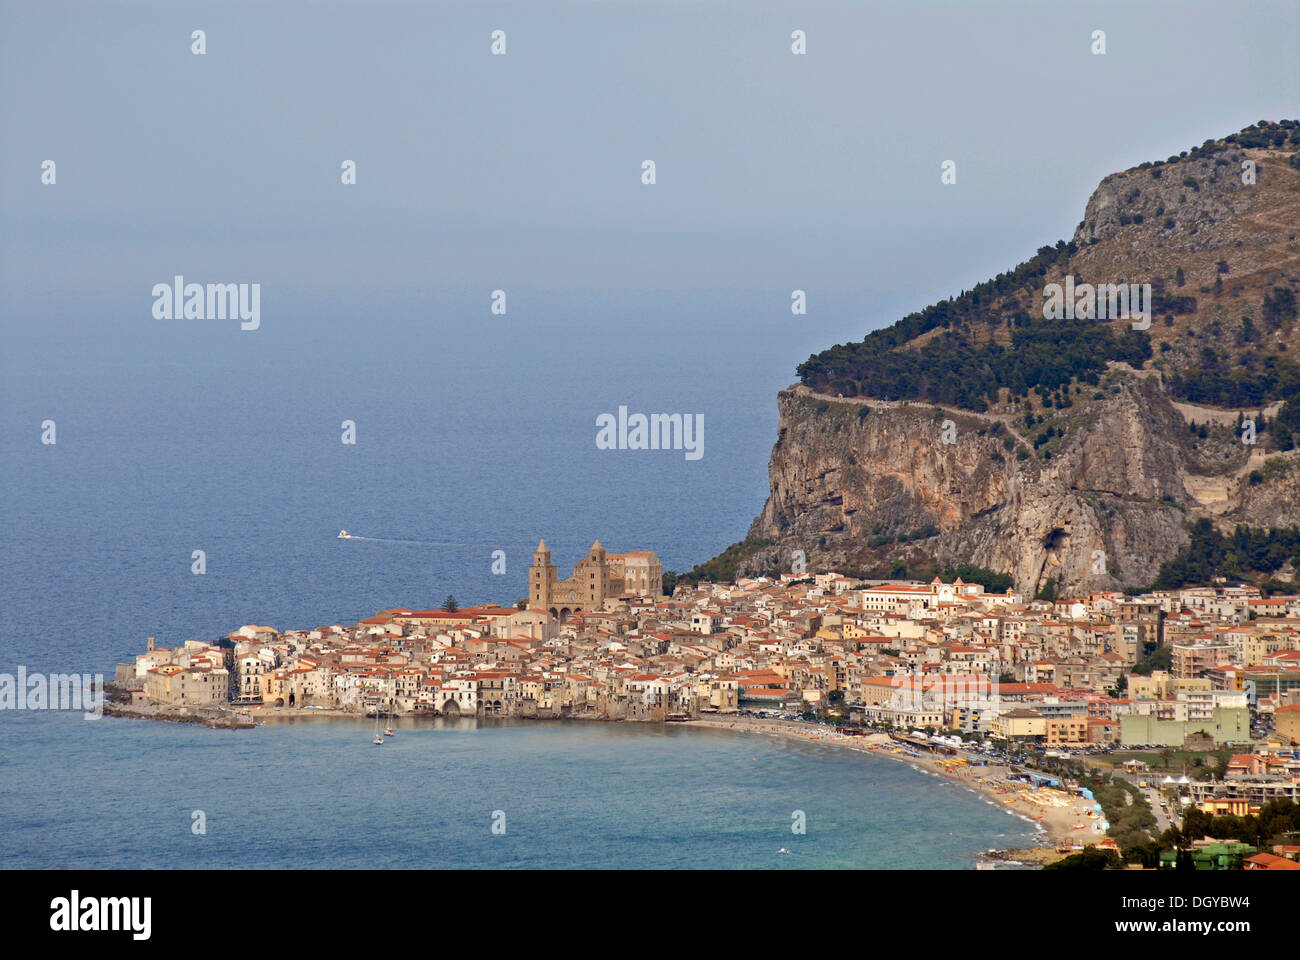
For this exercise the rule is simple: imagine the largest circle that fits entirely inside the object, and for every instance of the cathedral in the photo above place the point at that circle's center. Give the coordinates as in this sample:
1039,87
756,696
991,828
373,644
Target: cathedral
598,577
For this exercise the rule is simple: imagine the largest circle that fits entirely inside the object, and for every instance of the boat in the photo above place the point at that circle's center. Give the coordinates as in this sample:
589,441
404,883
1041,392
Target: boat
783,850
344,535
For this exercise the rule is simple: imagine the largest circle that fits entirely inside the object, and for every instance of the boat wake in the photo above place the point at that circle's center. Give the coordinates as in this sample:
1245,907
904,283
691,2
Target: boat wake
344,535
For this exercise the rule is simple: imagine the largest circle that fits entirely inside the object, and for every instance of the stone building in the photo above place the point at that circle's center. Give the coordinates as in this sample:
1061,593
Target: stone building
597,577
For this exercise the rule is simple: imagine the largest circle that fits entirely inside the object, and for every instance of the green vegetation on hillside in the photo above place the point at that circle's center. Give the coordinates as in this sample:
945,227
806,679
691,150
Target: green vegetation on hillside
960,363
990,580
1216,381
1248,381
1265,133
1262,134
723,567
1045,355
1211,554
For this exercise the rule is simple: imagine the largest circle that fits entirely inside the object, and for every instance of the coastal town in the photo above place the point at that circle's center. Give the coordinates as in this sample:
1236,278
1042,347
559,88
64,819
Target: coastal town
1188,698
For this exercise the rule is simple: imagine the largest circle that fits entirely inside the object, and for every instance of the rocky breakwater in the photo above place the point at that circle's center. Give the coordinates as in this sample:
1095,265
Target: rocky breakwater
219,718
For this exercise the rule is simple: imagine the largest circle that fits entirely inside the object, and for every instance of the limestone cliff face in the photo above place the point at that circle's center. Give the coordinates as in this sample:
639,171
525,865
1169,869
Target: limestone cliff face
1107,510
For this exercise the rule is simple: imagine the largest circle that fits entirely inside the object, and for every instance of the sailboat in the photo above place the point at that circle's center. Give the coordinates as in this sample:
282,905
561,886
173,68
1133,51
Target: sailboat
388,730
378,741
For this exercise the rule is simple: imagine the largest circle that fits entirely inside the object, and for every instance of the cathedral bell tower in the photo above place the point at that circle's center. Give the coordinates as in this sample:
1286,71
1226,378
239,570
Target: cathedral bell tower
541,578
597,576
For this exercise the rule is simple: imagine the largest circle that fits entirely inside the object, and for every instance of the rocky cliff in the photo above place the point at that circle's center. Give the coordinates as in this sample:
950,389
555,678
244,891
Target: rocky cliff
1087,475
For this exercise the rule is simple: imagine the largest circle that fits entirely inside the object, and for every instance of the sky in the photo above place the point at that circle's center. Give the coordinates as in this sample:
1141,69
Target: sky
522,171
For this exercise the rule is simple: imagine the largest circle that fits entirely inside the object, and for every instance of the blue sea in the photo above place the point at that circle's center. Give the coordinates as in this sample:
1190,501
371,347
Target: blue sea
318,793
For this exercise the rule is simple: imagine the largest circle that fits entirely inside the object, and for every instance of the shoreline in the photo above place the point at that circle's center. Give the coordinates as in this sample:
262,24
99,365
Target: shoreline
1053,813
215,719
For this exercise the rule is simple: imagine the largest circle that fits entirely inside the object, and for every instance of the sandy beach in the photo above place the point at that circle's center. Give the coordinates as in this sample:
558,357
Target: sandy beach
1063,817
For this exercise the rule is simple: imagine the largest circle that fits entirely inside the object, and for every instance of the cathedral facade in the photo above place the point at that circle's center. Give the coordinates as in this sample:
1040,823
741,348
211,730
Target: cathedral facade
597,577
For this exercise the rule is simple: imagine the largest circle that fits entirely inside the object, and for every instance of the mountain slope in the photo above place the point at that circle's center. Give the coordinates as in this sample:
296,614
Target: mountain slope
1081,450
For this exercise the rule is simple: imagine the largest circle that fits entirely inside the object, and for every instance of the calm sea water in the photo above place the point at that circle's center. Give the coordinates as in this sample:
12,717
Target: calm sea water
319,794
471,438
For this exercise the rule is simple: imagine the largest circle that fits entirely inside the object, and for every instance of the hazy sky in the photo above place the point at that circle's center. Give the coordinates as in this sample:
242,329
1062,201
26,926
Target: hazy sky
820,171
